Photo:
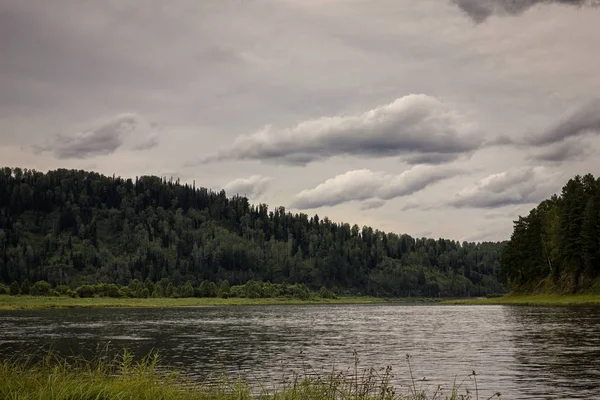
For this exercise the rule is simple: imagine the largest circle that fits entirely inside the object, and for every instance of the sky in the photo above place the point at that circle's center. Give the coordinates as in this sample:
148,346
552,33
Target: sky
436,118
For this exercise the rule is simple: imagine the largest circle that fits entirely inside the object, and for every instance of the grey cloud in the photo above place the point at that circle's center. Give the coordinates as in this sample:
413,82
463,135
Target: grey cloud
251,187
149,143
581,122
371,204
480,10
568,150
516,186
101,140
429,158
417,126
364,184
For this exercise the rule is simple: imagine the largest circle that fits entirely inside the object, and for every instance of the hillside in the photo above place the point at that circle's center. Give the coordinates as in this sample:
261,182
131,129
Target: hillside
72,227
557,246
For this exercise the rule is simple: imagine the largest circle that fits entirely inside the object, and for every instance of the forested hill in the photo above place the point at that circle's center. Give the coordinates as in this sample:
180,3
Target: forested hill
75,227
557,246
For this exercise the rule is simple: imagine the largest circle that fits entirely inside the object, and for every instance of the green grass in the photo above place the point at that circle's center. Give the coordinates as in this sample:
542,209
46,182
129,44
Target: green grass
535,300
32,302
120,377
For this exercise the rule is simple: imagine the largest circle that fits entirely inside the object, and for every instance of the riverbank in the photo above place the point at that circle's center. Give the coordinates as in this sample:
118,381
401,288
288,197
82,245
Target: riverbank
38,302
56,378
534,300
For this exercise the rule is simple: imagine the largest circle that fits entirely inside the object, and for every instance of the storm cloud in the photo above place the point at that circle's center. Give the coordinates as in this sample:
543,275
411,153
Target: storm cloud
251,187
375,186
418,126
480,10
104,139
522,185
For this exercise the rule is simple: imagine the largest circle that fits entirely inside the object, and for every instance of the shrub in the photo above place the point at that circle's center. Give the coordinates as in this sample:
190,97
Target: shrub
126,292
25,287
158,291
144,293
170,290
14,289
3,289
85,291
326,294
62,289
41,288
301,291
224,289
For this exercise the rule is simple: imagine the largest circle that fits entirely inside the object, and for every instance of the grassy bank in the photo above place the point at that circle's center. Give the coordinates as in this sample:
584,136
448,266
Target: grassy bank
32,302
56,378
535,300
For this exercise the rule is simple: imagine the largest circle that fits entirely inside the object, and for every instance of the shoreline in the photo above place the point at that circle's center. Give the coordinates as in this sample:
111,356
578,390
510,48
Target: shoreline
540,300
21,302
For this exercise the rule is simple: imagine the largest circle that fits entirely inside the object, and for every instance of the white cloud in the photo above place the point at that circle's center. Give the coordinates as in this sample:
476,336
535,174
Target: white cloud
364,184
415,125
516,186
251,187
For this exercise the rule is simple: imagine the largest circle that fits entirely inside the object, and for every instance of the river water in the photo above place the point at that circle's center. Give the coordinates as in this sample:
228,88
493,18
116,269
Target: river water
522,352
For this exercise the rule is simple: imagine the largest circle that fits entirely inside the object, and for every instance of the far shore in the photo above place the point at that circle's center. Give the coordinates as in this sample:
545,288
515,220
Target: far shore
533,300
37,302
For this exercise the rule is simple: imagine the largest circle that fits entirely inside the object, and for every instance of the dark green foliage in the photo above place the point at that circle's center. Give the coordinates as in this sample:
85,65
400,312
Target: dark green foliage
170,290
76,228
224,289
25,287
41,288
326,294
3,289
14,289
85,291
557,240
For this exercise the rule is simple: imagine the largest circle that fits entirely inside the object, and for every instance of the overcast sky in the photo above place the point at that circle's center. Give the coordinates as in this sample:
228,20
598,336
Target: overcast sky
437,118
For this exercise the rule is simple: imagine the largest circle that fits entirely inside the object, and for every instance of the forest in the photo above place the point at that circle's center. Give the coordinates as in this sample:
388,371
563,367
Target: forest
71,228
557,246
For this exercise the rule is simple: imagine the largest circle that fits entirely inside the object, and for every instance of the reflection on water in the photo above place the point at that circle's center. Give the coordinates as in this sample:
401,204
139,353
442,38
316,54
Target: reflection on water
525,353
558,349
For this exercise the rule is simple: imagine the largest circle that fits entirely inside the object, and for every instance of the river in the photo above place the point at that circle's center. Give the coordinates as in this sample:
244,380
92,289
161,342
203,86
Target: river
522,352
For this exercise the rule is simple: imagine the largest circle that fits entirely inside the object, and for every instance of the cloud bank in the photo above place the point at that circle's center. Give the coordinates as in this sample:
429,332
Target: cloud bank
251,187
420,127
373,187
480,10
522,185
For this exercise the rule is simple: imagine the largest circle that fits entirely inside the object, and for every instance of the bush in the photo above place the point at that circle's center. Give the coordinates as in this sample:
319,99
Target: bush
301,292
126,292
3,289
326,294
14,289
62,289
144,293
25,287
224,289
41,288
84,291
170,290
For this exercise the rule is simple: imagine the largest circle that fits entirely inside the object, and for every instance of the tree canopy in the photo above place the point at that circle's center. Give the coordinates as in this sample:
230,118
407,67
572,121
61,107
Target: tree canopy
558,243
70,227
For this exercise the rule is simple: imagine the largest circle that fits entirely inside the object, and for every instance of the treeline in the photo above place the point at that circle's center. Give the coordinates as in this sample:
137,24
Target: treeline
165,288
71,227
557,246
